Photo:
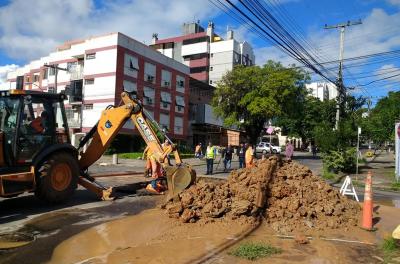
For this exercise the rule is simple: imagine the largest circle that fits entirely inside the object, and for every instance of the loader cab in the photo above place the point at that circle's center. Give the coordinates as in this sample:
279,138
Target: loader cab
30,122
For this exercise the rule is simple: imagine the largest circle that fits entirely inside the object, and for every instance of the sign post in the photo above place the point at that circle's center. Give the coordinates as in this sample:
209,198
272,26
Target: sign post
358,150
397,151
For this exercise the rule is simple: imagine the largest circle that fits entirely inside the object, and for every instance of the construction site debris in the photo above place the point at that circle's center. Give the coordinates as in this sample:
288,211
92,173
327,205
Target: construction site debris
287,194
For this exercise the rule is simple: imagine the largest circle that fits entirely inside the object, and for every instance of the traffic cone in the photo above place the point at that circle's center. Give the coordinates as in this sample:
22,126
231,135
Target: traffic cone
367,206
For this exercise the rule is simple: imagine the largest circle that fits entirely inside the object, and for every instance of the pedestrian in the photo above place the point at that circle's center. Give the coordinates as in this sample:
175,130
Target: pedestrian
240,153
211,153
249,156
314,150
197,151
289,150
228,152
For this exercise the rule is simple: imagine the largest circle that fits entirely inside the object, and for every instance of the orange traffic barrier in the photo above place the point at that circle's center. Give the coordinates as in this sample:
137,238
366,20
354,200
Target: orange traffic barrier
367,206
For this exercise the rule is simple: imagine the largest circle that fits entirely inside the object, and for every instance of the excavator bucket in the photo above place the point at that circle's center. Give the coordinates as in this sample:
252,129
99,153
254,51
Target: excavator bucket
178,179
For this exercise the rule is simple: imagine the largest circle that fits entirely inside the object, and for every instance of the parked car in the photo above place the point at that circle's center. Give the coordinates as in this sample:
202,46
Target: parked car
265,147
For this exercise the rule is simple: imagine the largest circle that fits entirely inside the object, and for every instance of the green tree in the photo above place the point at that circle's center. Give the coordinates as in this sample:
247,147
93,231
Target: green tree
310,114
250,96
379,125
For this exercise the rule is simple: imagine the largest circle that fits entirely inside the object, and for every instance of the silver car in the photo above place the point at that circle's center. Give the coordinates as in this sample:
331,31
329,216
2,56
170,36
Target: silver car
265,147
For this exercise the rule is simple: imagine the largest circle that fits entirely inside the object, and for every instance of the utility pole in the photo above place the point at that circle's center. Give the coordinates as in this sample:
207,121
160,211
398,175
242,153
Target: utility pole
339,82
56,69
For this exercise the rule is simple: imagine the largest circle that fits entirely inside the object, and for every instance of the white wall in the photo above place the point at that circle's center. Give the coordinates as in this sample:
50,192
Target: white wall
103,88
316,89
150,53
196,48
105,61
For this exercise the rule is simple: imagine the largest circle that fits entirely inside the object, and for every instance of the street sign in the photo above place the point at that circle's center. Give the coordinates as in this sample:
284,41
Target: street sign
359,130
397,151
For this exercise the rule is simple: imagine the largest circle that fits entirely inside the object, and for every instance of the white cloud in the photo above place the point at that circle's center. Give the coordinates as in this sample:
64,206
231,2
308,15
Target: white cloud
394,2
28,31
3,74
389,70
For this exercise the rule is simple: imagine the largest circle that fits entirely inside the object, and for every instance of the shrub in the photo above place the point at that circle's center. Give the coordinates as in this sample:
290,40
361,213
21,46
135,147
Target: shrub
340,161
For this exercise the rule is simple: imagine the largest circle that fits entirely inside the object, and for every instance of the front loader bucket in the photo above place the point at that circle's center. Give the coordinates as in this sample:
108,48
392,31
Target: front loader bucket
178,179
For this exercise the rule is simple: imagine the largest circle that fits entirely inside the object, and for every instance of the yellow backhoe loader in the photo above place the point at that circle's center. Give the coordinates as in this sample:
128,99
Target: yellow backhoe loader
36,154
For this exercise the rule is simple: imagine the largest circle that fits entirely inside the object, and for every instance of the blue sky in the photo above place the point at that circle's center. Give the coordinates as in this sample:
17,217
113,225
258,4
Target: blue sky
51,22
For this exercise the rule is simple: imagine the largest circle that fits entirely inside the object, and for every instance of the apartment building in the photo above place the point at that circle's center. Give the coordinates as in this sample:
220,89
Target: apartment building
93,72
322,90
208,55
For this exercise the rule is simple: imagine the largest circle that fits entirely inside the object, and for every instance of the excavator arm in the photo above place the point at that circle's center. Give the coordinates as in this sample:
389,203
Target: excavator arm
109,125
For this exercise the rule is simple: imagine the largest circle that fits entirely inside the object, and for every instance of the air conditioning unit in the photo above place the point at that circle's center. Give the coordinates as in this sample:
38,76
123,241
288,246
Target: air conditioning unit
150,78
166,83
179,108
149,100
165,104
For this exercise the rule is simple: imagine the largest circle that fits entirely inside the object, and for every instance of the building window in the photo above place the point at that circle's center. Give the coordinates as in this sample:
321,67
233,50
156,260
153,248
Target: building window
179,104
130,87
180,83
165,100
52,71
88,106
165,78
178,126
89,81
27,79
211,68
195,40
210,81
164,121
44,74
131,65
91,56
212,55
148,98
36,78
149,72
198,69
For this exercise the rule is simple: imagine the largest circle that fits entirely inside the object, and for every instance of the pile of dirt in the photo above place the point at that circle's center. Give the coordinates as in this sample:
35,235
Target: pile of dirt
286,193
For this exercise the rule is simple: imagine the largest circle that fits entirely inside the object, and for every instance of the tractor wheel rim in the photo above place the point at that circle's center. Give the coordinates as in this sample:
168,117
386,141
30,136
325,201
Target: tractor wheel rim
61,177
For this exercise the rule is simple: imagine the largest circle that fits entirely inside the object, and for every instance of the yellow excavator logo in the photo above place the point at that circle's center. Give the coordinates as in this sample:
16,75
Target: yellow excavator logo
146,130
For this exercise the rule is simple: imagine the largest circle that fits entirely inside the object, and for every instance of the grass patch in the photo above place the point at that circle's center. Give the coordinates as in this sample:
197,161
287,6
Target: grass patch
327,175
254,250
390,248
131,155
395,186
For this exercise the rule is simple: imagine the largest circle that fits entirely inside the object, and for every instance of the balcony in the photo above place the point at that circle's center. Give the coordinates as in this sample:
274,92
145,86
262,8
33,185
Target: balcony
76,72
74,92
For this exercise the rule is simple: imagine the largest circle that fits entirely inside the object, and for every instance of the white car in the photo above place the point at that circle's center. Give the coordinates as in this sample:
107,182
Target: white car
265,147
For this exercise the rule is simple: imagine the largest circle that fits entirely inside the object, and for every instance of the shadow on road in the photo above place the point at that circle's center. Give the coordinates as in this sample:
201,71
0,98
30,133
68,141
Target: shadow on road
19,208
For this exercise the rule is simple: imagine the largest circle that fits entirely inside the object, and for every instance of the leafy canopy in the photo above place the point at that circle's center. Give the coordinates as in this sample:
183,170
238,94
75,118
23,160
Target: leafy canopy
250,96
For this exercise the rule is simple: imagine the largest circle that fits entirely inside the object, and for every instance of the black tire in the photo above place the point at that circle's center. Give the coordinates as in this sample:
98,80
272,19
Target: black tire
274,151
57,178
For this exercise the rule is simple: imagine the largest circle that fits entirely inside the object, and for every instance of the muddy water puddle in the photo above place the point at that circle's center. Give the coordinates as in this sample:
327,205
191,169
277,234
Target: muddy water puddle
149,237
389,202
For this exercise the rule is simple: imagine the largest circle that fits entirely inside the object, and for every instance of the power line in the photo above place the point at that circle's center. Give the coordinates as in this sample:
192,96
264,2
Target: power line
389,77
